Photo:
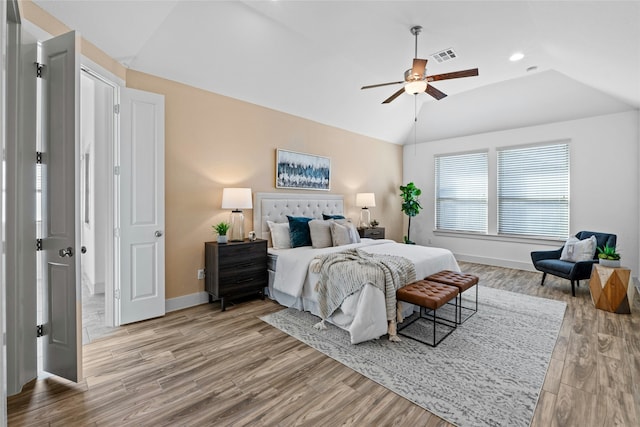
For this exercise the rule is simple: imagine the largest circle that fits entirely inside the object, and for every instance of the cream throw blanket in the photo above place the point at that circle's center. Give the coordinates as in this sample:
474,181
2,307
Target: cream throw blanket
344,273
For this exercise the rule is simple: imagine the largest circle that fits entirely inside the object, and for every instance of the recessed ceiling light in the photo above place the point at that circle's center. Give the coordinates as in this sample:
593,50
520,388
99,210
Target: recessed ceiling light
516,57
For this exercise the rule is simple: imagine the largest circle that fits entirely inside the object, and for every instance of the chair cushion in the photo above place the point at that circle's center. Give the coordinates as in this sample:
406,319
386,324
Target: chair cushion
576,250
556,267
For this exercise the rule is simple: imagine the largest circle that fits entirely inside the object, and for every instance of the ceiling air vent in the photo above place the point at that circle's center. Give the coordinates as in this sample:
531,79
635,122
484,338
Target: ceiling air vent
444,55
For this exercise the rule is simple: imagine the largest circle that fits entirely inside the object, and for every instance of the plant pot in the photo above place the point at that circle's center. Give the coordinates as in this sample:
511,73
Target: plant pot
613,263
223,239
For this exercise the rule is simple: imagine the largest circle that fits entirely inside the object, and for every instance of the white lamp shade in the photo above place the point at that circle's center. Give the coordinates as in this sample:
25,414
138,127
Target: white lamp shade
366,200
236,198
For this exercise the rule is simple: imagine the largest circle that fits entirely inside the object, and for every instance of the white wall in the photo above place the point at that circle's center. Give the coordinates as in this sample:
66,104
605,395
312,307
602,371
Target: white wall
604,187
96,136
87,146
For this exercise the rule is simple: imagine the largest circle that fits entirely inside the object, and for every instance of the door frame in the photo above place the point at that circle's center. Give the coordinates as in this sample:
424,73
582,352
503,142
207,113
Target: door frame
112,278
112,307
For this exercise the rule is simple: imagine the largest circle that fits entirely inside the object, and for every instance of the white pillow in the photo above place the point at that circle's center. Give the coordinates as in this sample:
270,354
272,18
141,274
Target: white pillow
320,233
279,235
576,250
339,234
353,231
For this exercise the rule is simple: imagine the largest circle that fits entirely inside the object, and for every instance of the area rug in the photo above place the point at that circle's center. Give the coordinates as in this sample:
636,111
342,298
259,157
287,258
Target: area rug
488,372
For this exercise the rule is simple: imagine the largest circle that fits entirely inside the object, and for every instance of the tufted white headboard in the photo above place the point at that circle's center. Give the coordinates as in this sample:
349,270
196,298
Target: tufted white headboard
276,206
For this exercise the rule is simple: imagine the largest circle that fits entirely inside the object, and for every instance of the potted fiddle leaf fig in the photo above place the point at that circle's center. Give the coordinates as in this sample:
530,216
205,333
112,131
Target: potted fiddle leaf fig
608,257
221,230
410,205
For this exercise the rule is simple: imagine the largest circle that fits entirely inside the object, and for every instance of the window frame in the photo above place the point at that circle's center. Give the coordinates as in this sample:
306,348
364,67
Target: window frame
438,199
558,199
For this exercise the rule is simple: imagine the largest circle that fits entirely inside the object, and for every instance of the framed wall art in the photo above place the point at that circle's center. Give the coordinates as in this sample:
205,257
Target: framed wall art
302,171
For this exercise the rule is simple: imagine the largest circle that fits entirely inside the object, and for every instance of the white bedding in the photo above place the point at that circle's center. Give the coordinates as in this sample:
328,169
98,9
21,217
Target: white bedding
363,314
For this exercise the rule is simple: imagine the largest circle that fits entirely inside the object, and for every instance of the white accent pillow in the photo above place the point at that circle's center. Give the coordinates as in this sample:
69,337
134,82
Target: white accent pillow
320,233
353,231
339,234
279,235
576,250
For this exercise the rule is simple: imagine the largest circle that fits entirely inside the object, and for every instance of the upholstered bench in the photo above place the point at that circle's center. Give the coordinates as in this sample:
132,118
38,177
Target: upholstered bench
427,295
461,281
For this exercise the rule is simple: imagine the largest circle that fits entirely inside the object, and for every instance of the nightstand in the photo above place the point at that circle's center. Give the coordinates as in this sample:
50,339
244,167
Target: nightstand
235,269
372,233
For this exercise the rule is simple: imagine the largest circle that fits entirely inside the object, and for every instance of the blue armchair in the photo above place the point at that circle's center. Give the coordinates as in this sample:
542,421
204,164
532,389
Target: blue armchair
549,261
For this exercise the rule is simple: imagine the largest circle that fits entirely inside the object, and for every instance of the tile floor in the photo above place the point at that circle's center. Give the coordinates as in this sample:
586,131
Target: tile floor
93,316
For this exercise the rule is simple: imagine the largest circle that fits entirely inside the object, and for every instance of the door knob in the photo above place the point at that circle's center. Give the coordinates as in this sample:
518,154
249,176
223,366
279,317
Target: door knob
66,252
158,233
83,249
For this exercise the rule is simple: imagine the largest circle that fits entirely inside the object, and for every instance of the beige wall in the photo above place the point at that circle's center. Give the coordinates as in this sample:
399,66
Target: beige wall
213,141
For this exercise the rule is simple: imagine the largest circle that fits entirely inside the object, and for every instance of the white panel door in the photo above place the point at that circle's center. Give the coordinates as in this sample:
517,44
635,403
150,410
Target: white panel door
62,349
141,206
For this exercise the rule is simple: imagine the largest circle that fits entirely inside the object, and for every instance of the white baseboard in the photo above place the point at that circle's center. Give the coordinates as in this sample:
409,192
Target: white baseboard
186,301
527,266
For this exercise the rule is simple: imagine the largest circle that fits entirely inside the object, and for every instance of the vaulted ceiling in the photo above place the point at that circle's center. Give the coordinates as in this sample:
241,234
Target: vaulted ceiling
310,58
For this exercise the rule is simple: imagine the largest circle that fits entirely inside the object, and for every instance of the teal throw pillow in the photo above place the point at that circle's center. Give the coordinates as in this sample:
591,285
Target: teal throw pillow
326,217
299,231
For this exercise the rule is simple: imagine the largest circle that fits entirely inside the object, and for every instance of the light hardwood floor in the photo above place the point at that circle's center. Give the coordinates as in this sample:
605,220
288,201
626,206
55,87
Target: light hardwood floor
200,366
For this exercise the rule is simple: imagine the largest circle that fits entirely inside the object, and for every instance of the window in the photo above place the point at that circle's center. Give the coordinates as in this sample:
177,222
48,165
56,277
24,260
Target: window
533,191
461,192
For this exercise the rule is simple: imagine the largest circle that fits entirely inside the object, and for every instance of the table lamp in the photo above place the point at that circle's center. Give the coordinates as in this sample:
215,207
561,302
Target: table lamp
365,201
236,199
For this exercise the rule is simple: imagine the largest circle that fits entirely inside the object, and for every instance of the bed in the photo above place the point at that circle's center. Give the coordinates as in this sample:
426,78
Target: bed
292,282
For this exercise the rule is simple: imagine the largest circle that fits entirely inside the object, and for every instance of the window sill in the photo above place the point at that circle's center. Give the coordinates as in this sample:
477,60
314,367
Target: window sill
550,241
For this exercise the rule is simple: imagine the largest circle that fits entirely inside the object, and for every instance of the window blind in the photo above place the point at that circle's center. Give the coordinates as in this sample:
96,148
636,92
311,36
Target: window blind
533,191
461,192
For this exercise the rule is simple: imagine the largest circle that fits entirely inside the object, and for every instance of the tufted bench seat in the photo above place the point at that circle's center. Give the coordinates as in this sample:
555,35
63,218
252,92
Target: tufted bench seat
461,281
428,295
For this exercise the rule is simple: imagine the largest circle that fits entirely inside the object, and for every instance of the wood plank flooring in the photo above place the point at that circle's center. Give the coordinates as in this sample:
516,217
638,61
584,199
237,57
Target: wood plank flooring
200,366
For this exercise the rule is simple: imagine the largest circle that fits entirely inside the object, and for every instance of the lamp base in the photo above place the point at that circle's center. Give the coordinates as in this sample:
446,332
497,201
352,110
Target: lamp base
236,231
365,218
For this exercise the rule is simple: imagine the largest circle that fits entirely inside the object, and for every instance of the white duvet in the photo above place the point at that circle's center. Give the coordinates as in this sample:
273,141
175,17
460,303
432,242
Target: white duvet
363,314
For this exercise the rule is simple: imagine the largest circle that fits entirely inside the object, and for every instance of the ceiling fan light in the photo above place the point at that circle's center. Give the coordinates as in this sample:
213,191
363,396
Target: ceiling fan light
415,87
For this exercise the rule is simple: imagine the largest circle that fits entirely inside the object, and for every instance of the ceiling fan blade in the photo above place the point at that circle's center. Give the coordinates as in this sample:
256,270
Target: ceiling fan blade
394,96
381,84
419,66
435,92
454,75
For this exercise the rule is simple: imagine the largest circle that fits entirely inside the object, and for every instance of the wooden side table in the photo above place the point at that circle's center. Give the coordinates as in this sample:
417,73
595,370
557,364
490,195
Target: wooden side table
235,269
610,289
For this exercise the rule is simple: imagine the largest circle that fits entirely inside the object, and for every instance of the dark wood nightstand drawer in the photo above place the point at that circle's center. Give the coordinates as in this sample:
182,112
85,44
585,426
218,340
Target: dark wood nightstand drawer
371,233
235,269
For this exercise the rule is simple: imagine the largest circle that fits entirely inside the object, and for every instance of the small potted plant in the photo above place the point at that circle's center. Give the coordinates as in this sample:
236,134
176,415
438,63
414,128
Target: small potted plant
374,223
608,257
221,230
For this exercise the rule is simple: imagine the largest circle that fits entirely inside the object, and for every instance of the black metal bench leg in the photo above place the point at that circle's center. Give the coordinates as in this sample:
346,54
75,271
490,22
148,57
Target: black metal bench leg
434,328
477,284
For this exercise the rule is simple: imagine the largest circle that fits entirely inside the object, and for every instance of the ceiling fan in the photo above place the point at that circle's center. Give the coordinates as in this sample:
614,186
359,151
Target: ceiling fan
415,79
